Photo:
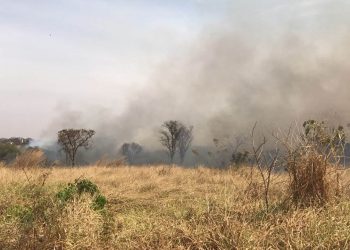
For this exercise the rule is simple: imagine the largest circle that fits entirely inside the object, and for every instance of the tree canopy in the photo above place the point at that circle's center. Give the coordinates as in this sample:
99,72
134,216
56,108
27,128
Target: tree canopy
72,139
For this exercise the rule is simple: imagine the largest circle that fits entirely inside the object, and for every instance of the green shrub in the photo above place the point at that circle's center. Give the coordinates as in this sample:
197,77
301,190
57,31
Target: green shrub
86,186
67,193
80,187
99,202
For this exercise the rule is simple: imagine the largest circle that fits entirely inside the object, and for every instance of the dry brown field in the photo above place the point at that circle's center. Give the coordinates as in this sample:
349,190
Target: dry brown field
163,207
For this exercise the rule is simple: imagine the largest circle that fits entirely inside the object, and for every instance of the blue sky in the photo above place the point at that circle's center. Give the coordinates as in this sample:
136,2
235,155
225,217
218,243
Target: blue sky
83,53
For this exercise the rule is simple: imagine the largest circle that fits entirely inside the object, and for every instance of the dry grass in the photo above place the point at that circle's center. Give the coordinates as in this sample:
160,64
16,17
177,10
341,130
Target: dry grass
313,179
150,208
31,158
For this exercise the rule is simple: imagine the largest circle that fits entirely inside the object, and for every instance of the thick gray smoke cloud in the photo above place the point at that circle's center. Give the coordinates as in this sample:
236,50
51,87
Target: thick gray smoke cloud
225,82
228,82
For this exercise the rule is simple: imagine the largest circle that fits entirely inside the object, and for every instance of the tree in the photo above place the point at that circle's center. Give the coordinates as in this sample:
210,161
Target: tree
169,136
72,139
130,151
8,152
184,141
16,141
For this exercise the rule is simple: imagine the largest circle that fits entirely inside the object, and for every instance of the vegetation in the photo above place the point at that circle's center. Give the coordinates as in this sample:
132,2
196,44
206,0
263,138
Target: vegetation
239,158
313,162
30,158
76,190
174,136
293,195
230,152
130,151
17,141
169,137
146,208
184,141
8,152
72,139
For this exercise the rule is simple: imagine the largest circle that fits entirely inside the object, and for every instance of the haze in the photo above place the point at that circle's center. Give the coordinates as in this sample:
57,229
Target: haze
123,67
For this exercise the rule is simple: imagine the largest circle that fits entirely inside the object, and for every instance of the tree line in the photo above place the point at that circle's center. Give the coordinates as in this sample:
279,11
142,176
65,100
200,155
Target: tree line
176,139
174,136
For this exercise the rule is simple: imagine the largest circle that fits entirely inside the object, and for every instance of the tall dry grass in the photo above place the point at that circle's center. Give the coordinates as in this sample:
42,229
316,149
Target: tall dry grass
149,208
31,158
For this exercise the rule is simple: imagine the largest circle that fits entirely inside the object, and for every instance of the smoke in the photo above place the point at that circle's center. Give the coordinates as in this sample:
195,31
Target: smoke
226,81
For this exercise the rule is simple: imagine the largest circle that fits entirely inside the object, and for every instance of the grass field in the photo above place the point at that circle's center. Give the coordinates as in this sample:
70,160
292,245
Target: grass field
165,208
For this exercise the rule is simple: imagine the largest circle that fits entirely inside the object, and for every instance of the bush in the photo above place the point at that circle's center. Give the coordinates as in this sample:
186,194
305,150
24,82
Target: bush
39,218
8,152
67,193
86,186
311,162
99,202
78,188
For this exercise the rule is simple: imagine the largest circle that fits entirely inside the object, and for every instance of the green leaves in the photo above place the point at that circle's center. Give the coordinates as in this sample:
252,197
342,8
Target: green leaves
78,188
86,186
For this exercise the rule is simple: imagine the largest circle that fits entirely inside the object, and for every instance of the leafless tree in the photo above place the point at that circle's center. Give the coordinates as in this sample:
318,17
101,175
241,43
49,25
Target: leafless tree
169,137
130,151
184,141
266,164
72,139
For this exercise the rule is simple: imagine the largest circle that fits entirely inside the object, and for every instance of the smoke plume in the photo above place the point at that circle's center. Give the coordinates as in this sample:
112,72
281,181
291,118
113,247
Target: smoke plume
227,80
